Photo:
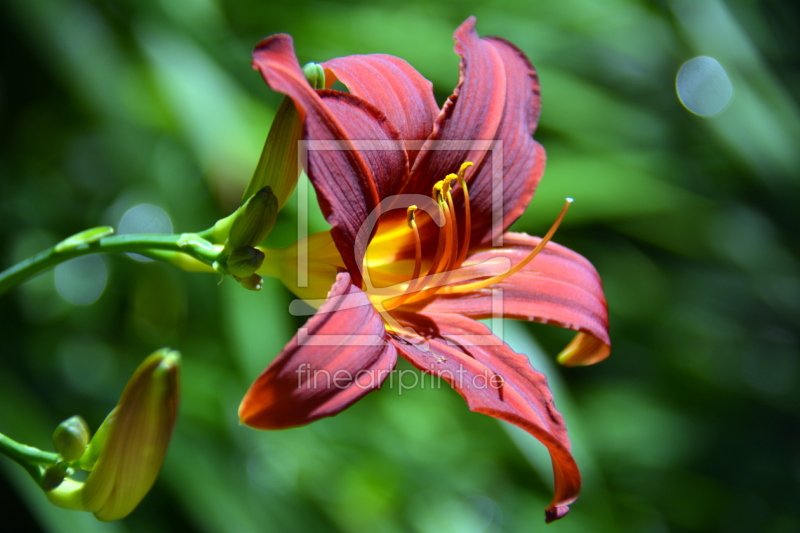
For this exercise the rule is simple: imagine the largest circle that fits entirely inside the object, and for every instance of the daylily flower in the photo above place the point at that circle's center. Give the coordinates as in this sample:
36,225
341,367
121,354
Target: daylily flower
419,201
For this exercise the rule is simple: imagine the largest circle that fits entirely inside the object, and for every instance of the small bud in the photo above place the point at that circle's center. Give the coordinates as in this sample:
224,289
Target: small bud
71,437
254,220
127,451
315,75
251,283
244,261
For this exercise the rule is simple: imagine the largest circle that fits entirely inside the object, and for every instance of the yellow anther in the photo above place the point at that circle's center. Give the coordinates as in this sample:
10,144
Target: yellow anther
449,182
463,170
438,191
411,218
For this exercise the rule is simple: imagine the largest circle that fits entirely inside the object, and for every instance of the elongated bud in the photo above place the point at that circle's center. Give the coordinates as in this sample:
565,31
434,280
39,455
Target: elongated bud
126,454
315,75
278,165
244,261
254,220
71,437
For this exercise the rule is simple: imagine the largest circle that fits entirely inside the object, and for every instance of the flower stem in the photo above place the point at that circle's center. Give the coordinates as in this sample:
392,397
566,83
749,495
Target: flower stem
28,457
168,248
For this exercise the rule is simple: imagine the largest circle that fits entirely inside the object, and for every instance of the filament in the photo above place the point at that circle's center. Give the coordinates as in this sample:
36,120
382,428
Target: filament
477,285
462,255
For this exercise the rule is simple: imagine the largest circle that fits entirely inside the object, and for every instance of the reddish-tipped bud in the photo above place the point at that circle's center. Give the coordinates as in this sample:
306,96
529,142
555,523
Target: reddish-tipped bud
126,454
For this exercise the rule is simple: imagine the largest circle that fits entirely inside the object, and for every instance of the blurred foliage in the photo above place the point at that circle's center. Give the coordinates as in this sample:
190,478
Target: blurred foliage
691,425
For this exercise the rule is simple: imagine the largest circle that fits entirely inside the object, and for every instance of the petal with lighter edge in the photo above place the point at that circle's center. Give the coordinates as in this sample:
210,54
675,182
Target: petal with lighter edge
496,381
341,354
559,287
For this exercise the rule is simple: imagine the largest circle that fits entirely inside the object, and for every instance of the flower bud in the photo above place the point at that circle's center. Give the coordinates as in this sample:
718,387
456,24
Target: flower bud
254,220
315,75
251,283
278,166
71,437
244,261
126,454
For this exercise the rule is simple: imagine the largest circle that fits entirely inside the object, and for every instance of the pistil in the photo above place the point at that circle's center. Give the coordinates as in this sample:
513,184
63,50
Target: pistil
482,284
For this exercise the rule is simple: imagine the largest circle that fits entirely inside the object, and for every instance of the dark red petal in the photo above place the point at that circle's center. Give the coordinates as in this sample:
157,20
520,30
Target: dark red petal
393,86
559,287
496,381
348,181
362,124
497,98
341,354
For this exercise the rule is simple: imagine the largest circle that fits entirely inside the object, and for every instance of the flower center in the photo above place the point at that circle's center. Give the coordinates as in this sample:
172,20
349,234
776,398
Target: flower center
447,272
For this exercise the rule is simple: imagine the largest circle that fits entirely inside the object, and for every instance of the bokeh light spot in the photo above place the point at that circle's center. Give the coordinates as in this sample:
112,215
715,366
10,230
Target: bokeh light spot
81,281
88,366
144,218
703,86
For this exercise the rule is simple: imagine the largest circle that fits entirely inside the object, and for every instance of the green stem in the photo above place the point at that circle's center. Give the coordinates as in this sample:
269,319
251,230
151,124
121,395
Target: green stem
189,244
29,458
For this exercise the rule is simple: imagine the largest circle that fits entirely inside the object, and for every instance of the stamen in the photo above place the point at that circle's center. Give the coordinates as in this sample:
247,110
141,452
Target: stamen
462,255
412,223
477,285
454,225
463,170
442,258
439,269
450,234
414,281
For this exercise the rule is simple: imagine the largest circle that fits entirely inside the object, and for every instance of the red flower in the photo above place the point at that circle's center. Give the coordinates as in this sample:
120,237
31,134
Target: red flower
415,280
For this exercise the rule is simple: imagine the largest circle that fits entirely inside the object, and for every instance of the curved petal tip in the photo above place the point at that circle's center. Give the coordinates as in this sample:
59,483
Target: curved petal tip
584,350
555,513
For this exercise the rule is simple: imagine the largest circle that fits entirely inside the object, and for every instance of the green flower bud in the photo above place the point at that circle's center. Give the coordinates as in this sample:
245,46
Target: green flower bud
251,283
254,220
244,261
315,75
278,165
71,437
126,454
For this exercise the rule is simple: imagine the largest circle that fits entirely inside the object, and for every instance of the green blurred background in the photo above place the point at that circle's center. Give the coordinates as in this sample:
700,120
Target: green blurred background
691,425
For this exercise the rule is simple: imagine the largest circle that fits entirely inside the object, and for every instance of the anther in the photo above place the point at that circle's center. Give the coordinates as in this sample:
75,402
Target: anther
411,217
437,192
463,170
